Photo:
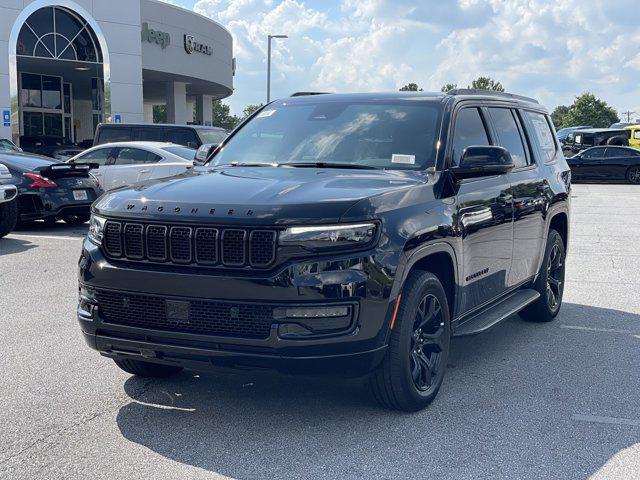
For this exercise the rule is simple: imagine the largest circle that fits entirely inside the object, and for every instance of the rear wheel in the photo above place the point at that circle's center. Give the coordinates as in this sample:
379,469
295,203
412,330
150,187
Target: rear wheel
550,282
147,369
413,369
8,217
633,175
77,219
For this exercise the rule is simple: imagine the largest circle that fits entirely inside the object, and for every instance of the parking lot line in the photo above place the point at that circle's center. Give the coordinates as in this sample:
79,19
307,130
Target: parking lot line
609,420
48,237
603,330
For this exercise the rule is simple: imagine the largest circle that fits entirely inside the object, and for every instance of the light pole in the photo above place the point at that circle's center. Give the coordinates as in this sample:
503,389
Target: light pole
269,63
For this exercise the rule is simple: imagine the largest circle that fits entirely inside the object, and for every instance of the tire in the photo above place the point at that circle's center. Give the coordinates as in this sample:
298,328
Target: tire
8,217
147,369
78,219
618,141
550,282
633,175
49,221
412,371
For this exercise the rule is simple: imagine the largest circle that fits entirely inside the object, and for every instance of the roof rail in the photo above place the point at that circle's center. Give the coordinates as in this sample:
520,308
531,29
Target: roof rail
305,94
492,93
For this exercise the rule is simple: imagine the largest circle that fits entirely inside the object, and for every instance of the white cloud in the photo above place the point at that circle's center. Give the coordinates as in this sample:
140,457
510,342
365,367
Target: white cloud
551,50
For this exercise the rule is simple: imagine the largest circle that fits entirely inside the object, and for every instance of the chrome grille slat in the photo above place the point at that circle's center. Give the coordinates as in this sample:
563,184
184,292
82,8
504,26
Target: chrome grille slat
209,246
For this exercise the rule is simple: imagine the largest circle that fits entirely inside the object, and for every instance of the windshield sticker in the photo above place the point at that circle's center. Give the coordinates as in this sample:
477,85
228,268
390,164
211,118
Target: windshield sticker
266,113
406,159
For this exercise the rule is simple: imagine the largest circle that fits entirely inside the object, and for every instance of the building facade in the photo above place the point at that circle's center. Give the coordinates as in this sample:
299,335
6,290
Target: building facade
67,65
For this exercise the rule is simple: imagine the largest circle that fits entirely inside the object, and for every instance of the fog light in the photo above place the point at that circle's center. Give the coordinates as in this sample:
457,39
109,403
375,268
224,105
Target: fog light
313,312
86,302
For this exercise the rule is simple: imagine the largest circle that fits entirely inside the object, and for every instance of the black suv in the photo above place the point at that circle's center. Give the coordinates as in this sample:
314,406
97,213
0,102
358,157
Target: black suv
193,136
344,234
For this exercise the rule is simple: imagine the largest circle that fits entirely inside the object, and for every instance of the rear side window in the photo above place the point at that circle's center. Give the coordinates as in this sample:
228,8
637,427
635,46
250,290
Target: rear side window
114,134
469,130
620,152
593,153
182,136
149,134
129,156
509,135
636,134
543,135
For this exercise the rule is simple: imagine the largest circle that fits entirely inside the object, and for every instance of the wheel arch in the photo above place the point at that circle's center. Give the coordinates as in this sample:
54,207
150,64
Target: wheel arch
560,223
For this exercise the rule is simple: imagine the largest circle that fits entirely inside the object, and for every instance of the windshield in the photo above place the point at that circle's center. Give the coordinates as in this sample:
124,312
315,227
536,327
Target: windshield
212,136
184,152
398,135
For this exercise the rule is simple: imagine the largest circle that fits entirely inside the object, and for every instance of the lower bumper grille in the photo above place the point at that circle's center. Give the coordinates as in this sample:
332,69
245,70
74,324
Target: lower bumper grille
188,316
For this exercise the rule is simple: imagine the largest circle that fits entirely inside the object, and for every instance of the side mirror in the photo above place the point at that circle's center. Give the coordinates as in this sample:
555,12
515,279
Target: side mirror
203,153
483,161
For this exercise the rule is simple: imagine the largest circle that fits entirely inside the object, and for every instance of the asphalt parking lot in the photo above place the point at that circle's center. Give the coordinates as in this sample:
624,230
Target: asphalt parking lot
524,400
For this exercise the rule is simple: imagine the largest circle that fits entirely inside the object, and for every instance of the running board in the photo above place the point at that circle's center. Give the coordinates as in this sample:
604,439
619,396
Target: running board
486,319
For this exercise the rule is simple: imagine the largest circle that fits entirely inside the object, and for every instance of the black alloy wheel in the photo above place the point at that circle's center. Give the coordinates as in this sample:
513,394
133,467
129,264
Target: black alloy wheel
633,175
427,344
555,276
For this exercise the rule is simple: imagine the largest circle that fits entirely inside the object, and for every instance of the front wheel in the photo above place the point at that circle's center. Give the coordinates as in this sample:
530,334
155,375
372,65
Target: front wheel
8,217
633,175
550,282
413,369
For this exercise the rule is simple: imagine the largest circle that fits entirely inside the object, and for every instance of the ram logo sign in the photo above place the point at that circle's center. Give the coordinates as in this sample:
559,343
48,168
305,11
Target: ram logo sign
191,46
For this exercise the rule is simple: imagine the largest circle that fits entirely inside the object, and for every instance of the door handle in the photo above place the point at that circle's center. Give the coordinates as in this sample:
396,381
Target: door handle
145,171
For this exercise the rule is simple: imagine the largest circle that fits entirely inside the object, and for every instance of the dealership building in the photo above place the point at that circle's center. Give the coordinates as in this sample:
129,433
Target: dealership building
67,65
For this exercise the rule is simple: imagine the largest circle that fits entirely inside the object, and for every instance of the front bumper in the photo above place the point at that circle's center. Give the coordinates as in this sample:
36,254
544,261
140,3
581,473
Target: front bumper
355,280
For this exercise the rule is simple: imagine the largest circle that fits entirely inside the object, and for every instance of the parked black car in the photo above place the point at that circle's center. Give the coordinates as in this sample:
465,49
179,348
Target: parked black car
606,163
8,202
49,190
593,137
193,136
342,234
564,133
54,147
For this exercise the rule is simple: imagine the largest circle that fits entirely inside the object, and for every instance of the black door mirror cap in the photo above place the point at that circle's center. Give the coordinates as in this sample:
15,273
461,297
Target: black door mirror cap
483,161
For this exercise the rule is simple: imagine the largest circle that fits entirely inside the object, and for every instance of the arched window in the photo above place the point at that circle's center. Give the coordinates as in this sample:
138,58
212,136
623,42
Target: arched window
59,33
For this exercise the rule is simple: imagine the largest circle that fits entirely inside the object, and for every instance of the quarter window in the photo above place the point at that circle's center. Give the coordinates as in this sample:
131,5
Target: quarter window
509,135
544,136
469,131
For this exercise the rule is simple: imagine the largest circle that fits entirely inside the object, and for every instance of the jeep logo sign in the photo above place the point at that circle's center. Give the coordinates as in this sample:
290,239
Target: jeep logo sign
155,36
191,46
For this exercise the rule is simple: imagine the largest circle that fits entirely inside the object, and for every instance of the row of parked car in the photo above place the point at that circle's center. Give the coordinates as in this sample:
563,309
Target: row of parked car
45,185
603,153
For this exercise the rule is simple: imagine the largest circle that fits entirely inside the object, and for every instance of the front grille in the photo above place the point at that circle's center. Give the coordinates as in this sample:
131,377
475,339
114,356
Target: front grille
204,317
185,245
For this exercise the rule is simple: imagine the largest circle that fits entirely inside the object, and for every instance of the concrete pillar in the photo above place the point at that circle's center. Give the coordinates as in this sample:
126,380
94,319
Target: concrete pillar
204,109
148,113
176,93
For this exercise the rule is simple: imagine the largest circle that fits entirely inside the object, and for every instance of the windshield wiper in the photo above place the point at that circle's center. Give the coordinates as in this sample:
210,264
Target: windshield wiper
352,166
247,164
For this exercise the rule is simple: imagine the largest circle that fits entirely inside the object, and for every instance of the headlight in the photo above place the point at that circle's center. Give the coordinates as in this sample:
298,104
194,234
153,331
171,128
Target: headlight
330,236
96,229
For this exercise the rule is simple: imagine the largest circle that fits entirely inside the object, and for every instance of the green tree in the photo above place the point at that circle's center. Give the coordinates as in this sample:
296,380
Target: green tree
411,87
159,114
486,83
558,116
249,109
448,86
589,110
222,116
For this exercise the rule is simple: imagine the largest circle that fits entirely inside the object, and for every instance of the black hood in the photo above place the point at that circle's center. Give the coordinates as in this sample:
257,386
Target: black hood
266,195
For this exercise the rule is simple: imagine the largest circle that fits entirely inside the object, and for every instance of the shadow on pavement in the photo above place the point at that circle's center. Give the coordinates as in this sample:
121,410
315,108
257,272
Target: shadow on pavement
14,245
61,229
504,411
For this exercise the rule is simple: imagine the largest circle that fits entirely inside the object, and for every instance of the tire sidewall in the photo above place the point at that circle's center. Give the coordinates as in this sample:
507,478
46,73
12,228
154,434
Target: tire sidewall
553,238
425,283
629,175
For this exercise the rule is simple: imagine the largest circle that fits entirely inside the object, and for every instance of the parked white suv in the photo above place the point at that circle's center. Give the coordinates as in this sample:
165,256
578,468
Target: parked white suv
126,163
8,202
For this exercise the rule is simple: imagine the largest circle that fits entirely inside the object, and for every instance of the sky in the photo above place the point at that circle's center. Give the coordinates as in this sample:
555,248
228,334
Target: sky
549,50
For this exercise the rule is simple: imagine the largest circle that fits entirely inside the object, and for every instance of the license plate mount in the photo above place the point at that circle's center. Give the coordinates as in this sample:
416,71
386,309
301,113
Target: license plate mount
80,195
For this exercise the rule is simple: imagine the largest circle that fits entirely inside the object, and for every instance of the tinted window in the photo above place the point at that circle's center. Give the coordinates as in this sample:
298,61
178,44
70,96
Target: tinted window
593,153
114,134
620,152
184,152
181,136
128,156
212,136
509,135
543,135
397,135
99,156
149,134
636,135
469,130
7,146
